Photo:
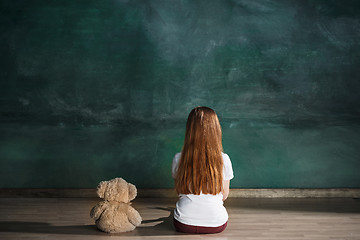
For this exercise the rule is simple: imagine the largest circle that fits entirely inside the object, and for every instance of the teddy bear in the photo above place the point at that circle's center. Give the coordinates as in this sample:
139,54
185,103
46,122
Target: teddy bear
115,214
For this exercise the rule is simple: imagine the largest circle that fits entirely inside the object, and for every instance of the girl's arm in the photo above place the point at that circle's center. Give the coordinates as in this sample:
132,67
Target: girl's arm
226,189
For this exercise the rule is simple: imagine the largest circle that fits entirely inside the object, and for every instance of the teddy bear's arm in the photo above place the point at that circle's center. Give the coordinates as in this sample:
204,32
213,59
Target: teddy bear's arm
134,216
97,210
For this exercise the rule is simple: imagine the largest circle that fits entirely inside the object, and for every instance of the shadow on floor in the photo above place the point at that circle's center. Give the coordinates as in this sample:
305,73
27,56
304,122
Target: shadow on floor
39,227
164,227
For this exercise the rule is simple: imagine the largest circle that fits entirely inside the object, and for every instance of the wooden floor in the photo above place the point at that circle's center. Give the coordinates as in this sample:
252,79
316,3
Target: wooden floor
68,218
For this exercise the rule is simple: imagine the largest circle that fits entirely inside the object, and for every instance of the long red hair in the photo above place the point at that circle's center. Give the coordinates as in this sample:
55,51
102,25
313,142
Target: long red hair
201,165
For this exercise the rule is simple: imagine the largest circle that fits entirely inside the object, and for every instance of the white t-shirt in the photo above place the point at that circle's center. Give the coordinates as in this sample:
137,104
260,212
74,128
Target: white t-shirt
204,210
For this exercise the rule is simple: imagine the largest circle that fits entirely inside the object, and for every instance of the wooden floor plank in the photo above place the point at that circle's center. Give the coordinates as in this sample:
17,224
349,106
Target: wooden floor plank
250,219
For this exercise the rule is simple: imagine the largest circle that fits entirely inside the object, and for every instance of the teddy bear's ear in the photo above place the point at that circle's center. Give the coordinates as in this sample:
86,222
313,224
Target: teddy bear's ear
101,189
132,191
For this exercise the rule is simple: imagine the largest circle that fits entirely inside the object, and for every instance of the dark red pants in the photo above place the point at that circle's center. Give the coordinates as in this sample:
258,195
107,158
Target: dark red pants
180,227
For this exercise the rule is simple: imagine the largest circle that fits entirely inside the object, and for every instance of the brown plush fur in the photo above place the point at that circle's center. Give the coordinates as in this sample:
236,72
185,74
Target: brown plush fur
115,214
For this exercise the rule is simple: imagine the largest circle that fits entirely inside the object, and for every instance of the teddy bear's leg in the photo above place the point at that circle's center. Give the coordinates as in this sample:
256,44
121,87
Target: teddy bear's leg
134,216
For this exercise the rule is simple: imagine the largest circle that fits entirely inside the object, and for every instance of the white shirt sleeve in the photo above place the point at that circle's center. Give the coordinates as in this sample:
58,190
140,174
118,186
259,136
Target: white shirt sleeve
228,171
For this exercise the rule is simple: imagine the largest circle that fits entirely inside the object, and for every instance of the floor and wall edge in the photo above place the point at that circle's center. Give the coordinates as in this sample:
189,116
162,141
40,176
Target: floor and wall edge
170,193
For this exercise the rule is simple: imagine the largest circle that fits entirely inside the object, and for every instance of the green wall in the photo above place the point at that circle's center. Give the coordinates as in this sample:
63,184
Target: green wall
91,90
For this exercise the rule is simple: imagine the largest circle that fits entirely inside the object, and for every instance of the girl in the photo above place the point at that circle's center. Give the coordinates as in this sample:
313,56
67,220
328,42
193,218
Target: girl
202,174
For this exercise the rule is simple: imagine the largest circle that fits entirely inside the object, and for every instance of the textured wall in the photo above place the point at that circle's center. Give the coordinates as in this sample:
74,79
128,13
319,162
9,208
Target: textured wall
91,90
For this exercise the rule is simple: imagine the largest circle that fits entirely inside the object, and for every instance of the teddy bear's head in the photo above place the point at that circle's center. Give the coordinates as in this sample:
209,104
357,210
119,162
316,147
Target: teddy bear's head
117,190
